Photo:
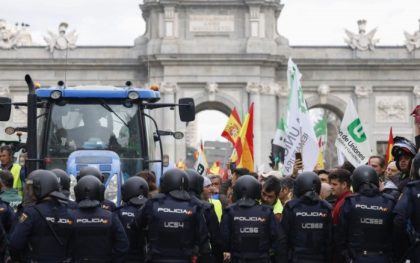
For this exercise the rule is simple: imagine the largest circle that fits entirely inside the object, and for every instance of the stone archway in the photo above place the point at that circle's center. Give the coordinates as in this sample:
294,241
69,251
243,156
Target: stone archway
331,102
331,109
215,150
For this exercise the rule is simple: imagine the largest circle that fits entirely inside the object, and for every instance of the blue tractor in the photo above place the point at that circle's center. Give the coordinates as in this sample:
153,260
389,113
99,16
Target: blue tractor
105,127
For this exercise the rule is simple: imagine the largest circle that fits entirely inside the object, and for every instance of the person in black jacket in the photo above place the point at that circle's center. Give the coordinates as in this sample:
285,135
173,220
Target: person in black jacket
307,222
365,229
45,227
176,228
99,234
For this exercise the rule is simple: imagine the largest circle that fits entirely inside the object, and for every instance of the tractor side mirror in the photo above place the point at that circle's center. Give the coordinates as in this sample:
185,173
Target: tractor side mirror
186,109
5,108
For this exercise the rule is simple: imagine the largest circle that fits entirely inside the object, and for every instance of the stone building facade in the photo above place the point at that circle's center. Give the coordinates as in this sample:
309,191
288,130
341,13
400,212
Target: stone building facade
229,53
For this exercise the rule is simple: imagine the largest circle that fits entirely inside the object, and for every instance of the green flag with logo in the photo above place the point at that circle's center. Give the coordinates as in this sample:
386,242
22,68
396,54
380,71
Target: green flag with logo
351,140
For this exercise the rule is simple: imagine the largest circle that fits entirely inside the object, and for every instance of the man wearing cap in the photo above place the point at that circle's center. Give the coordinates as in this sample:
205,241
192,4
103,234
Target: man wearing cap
207,196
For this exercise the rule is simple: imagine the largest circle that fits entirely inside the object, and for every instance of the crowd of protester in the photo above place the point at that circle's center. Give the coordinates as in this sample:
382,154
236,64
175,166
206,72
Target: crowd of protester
344,214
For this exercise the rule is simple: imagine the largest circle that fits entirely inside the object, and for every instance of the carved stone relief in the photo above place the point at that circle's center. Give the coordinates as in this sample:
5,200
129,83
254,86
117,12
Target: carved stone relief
361,41
212,87
12,37
391,109
253,87
168,87
412,41
416,91
63,40
363,91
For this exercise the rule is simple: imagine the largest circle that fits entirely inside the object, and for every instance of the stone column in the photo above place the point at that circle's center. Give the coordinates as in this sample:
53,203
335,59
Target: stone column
365,110
416,91
282,93
168,118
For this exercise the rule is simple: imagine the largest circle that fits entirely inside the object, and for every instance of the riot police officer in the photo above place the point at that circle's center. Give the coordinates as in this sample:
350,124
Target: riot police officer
307,222
195,188
99,234
64,180
134,195
176,225
364,230
406,211
249,230
4,248
89,170
46,226
7,216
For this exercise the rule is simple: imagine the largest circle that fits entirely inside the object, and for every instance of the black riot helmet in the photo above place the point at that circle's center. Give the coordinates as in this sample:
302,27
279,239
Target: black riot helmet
307,182
195,181
43,183
64,180
89,191
247,187
90,170
135,190
402,146
364,175
415,167
173,179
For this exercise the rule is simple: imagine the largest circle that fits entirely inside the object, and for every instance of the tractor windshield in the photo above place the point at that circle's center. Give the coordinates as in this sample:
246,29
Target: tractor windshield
94,126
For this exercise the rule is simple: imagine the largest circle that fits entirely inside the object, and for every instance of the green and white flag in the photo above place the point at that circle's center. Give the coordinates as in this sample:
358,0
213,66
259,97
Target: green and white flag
351,138
300,134
280,133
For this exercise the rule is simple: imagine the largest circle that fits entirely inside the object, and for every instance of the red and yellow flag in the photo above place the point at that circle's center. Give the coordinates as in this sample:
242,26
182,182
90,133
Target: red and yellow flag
244,146
233,127
388,156
215,168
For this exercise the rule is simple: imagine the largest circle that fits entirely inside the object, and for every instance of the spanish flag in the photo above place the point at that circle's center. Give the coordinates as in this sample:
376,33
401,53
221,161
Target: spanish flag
233,127
215,168
388,156
244,146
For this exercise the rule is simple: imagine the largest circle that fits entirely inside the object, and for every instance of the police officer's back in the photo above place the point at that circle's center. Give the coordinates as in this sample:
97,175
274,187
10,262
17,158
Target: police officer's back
364,231
307,222
45,227
195,188
99,235
249,230
64,180
134,195
176,225
407,211
90,170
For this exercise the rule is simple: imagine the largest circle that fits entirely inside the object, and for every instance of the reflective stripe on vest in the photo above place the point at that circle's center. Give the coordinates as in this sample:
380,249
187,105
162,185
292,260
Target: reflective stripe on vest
217,208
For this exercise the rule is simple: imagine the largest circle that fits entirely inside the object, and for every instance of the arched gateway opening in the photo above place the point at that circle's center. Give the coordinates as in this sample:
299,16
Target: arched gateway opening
209,123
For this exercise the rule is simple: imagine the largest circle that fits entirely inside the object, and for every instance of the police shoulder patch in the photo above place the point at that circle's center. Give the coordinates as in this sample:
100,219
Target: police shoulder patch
23,218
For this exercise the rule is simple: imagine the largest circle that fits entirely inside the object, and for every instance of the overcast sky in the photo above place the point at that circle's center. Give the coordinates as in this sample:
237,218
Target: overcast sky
303,22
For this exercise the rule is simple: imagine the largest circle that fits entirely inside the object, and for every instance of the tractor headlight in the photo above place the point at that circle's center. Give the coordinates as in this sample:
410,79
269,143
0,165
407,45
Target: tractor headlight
55,95
133,95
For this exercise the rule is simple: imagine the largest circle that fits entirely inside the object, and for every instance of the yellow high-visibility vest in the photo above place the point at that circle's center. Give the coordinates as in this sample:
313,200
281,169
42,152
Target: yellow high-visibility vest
217,208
